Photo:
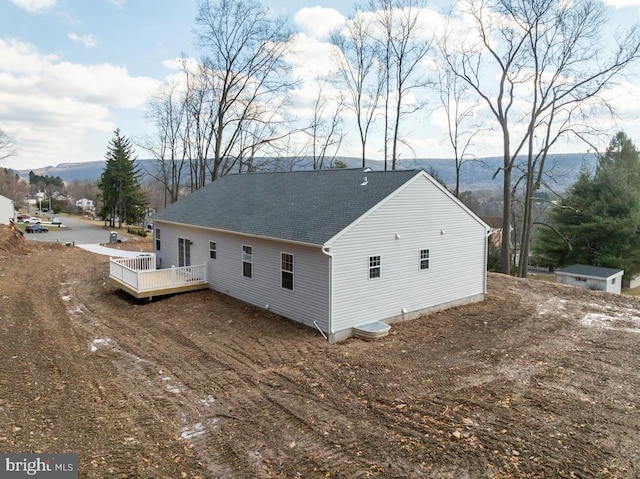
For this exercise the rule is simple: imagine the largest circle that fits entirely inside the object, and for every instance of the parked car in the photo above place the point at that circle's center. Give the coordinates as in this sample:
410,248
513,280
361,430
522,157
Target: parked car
22,217
56,222
33,220
38,228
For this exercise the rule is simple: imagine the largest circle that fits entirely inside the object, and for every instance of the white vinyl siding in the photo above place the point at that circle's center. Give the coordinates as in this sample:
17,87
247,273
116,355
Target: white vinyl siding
308,302
6,210
417,215
609,285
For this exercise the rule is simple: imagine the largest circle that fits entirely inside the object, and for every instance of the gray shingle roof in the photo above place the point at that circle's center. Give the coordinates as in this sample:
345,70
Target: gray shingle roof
587,270
302,206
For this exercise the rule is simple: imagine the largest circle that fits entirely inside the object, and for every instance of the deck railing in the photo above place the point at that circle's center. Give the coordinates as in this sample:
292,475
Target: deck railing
140,273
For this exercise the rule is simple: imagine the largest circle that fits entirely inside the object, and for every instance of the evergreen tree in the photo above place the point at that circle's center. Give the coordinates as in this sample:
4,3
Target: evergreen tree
122,195
598,223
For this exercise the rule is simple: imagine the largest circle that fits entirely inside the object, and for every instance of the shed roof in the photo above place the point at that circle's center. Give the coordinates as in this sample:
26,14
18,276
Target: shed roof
301,206
587,270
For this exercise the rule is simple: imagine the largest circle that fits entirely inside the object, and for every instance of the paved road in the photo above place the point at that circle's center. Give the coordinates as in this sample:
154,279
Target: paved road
74,231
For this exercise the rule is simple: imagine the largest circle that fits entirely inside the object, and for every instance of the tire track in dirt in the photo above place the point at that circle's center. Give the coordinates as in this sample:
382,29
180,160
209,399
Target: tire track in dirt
506,388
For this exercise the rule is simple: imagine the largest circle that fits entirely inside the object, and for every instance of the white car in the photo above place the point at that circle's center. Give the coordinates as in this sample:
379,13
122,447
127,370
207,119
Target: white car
33,220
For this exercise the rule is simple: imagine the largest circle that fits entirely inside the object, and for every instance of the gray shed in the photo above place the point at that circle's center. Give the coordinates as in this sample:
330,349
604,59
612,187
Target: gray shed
595,278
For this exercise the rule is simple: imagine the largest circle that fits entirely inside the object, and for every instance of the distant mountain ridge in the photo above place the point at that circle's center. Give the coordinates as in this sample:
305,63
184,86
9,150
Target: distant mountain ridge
475,174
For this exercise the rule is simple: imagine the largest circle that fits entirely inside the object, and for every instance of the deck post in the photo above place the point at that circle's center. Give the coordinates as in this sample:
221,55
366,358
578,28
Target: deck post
173,274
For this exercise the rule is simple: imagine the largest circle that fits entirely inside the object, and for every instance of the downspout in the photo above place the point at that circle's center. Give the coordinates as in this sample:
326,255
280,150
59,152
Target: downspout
486,258
327,250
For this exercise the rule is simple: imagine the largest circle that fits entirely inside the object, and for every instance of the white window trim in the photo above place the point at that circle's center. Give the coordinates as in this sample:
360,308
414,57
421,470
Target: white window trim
245,261
427,259
282,270
378,267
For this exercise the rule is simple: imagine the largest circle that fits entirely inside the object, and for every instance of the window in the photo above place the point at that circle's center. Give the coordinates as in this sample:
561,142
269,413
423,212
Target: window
157,233
424,259
374,267
287,271
212,250
184,252
247,261
613,281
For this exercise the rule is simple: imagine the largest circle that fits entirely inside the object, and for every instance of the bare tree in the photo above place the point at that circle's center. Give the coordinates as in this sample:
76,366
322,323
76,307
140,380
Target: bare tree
552,69
243,50
6,146
404,45
167,110
459,110
360,71
325,131
570,71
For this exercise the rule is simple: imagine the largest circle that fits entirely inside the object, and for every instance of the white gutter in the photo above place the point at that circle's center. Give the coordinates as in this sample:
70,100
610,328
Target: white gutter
240,233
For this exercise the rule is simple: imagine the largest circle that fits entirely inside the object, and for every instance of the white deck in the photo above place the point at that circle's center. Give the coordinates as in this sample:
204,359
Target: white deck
140,278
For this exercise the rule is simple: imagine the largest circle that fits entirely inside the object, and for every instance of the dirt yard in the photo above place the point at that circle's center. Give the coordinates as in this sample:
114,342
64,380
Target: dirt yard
537,381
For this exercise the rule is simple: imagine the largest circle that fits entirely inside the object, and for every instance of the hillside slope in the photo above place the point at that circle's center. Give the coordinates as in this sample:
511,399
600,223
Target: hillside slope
476,175
539,380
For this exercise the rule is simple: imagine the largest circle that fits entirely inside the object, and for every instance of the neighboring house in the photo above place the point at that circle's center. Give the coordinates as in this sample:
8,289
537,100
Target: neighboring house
7,210
594,278
332,249
85,204
495,232
632,282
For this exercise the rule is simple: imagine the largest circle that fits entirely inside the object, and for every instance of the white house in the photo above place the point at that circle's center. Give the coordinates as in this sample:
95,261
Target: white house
332,249
85,204
7,210
594,278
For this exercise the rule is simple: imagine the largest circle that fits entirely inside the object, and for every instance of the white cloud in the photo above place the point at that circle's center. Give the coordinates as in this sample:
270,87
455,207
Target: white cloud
622,3
318,22
35,5
50,107
87,40
311,58
117,3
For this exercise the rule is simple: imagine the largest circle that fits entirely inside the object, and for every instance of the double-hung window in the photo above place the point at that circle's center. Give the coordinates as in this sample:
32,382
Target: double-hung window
286,261
213,251
424,259
247,261
157,233
374,267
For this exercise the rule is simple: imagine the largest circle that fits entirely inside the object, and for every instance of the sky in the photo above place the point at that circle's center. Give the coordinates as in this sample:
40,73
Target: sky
72,71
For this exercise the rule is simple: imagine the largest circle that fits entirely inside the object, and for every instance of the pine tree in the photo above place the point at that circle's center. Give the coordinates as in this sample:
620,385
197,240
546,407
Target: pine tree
122,195
598,222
